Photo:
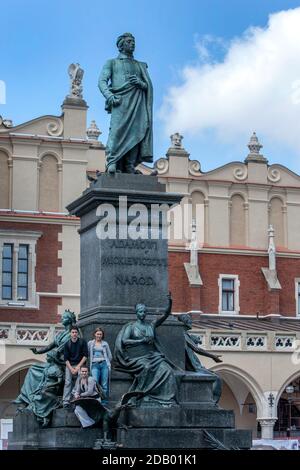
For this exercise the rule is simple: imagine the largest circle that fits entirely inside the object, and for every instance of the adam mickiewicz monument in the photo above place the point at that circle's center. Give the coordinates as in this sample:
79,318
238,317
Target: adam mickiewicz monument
171,399
127,88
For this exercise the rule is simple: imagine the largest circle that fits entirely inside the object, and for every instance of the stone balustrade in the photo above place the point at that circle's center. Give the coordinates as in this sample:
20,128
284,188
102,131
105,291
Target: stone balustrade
27,334
235,340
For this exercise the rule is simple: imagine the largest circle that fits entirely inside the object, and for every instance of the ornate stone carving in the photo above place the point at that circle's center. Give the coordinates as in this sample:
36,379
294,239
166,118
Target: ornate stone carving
274,175
194,168
192,268
162,166
4,332
6,123
76,74
55,128
255,147
226,341
93,131
284,341
240,173
176,140
32,335
271,248
256,341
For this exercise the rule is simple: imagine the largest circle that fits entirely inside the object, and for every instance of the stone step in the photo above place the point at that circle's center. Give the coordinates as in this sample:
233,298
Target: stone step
68,438
185,417
158,417
153,428
179,438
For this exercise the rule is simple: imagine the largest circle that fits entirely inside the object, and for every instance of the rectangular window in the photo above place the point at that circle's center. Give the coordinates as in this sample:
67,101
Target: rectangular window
23,272
228,295
7,271
17,269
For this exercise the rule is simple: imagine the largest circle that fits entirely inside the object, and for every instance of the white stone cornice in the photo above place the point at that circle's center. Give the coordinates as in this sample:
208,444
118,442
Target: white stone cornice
79,162
236,251
62,220
24,234
59,294
25,157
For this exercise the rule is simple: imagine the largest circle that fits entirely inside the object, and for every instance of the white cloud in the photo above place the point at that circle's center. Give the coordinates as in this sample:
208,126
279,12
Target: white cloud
256,86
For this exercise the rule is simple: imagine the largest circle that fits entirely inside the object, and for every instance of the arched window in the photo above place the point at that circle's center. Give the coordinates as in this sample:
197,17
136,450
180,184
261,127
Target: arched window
276,219
48,185
4,181
237,221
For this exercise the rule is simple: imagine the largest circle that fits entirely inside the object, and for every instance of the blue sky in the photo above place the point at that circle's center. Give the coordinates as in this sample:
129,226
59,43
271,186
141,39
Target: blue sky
39,39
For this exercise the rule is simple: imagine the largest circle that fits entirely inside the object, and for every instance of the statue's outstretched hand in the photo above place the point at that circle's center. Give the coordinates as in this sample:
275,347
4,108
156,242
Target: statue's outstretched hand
217,359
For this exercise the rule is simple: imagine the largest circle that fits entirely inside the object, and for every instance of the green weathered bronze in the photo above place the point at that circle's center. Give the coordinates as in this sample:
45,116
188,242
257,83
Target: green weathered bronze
137,352
192,362
43,382
127,88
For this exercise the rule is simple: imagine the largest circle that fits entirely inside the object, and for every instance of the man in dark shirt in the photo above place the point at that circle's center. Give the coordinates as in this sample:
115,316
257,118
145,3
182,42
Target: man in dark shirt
75,355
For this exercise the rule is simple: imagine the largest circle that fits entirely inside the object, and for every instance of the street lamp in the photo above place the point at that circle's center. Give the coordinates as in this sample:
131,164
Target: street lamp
289,390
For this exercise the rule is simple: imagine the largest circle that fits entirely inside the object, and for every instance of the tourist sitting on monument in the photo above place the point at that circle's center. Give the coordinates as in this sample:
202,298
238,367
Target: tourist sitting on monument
100,360
137,352
75,355
86,387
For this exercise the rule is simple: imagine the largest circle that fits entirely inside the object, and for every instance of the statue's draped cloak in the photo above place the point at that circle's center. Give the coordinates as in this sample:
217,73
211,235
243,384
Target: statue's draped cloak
43,381
131,121
153,375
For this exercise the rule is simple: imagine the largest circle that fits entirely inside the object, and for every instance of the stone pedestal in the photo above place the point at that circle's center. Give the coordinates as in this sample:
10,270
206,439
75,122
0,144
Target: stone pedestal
194,423
121,271
116,274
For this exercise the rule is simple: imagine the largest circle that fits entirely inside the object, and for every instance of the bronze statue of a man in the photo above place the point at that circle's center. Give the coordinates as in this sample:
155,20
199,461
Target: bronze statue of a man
127,88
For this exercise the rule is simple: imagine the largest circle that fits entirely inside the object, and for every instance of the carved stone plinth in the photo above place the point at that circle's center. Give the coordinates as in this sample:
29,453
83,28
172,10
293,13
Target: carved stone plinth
116,274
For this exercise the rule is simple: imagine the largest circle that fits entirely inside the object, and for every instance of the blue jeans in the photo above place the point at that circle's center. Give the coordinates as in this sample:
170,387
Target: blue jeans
100,372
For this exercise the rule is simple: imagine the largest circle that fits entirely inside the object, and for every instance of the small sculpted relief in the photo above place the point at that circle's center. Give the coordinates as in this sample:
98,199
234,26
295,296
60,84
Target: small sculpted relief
274,175
240,173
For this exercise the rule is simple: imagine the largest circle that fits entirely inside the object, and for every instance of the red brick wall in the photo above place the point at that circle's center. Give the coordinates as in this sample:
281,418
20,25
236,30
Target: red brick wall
46,277
254,294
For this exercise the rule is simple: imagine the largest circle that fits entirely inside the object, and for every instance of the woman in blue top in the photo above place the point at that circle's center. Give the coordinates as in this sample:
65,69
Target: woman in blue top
100,360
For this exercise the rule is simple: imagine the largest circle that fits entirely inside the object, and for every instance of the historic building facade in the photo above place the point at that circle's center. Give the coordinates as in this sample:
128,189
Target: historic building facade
237,271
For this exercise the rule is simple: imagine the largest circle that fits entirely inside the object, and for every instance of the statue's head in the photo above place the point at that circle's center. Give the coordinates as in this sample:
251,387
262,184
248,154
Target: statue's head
140,310
52,357
126,43
68,318
186,319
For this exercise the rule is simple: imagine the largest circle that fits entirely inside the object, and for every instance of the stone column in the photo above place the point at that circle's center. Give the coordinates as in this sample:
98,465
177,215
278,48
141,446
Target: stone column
267,427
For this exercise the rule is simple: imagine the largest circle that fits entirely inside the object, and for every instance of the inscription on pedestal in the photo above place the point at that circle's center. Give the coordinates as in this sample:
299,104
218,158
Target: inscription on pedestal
147,257
130,266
